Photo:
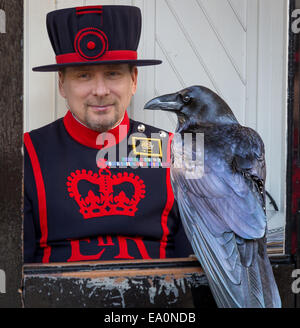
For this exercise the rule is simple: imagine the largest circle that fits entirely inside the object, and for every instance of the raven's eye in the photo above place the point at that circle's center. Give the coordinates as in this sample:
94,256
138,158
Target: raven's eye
186,99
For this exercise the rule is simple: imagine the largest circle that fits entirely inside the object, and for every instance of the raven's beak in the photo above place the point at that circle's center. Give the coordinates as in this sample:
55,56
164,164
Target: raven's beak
169,103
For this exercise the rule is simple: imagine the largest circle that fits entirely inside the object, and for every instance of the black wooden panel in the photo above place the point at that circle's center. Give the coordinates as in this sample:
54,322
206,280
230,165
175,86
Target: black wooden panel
11,159
152,284
172,283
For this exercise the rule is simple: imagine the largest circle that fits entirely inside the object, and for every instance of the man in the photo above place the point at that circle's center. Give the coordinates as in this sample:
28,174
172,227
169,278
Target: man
97,186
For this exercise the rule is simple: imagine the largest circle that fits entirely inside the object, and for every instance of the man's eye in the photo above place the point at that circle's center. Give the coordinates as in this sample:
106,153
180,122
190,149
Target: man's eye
83,75
114,73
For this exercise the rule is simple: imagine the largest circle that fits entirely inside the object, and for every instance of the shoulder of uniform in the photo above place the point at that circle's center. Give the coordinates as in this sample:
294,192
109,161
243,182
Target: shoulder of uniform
140,127
44,135
46,129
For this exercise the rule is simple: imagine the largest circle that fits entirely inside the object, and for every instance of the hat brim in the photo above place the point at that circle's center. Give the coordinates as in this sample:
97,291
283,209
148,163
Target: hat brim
57,67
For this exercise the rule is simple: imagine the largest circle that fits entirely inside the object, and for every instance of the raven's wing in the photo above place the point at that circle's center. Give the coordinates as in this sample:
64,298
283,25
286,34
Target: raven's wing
223,220
249,160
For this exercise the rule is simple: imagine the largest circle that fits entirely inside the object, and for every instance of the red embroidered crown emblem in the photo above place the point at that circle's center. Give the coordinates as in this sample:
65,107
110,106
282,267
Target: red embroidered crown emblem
107,202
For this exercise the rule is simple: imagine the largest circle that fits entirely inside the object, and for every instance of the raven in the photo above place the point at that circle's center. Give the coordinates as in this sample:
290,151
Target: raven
223,208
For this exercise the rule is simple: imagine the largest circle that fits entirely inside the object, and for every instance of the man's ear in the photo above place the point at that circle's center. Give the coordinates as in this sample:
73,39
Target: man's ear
60,84
134,75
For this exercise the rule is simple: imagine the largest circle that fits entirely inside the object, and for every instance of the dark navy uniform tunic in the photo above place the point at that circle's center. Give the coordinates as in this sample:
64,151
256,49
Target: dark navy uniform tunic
85,198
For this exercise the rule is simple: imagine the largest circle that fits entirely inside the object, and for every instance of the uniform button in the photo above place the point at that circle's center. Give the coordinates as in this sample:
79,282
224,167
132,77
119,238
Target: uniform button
141,128
162,134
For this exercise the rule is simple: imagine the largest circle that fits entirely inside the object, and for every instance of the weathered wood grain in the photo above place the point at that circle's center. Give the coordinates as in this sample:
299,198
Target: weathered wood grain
172,283
11,158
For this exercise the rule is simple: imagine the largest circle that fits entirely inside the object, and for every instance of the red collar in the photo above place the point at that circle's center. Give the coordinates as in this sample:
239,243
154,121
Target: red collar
91,138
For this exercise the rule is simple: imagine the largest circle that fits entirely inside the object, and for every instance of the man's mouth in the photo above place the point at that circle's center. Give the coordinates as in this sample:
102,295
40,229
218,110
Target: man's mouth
100,108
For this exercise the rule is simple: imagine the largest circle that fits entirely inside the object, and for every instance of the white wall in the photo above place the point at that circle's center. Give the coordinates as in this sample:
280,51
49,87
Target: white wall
236,47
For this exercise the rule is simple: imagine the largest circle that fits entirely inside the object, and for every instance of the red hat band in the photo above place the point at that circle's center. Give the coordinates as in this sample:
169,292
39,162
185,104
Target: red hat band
108,56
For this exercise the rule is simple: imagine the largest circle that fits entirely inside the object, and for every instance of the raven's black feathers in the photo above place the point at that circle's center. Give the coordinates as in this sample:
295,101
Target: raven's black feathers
223,211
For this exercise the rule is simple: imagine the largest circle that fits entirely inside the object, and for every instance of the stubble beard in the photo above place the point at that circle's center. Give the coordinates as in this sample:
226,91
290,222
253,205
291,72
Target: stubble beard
102,123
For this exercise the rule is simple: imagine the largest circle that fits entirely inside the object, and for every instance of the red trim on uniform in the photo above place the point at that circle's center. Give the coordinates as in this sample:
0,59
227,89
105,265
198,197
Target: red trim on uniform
169,204
89,8
93,139
89,12
108,55
41,195
171,136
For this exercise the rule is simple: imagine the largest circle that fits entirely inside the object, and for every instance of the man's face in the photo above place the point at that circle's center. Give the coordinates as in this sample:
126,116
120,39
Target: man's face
98,95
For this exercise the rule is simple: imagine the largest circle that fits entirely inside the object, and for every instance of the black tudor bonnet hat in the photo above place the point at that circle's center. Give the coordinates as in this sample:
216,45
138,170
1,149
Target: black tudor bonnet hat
95,35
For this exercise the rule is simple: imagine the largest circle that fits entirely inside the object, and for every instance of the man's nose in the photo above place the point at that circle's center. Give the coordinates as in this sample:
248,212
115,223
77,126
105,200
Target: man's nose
100,87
